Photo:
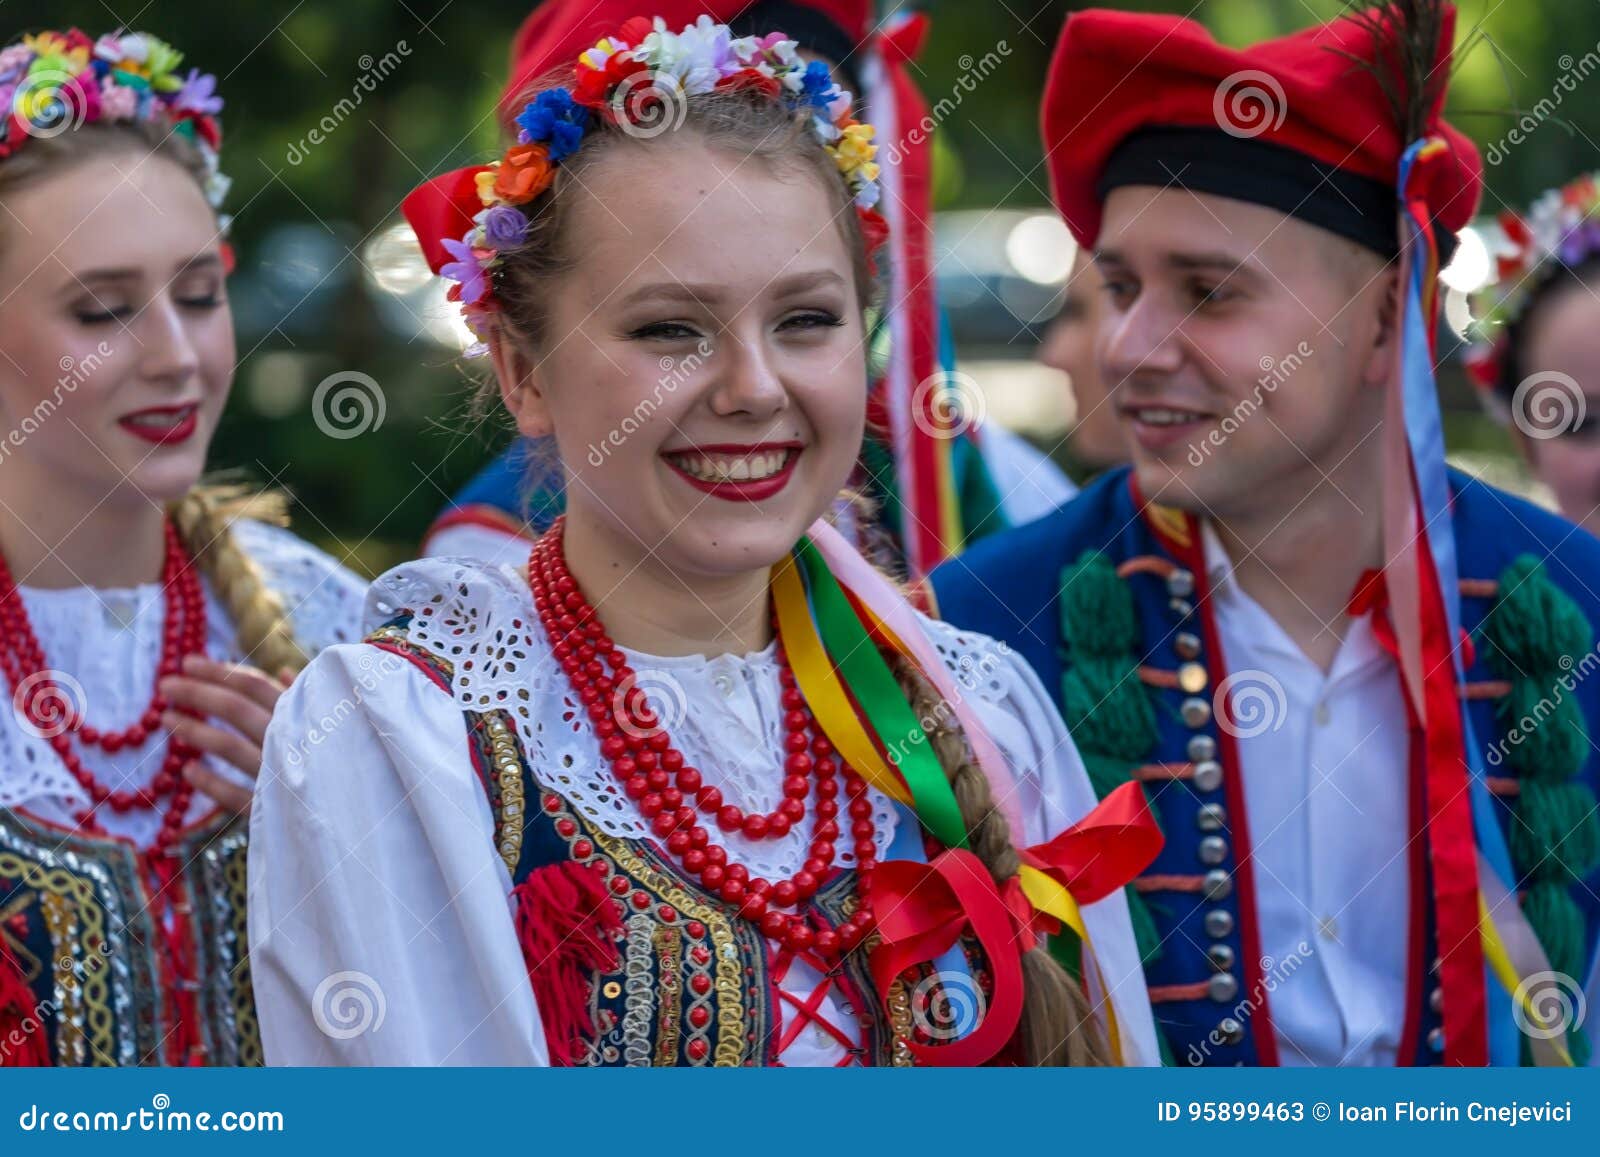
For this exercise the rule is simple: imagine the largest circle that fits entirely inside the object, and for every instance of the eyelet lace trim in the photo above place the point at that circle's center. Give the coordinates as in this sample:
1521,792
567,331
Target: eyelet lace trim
724,714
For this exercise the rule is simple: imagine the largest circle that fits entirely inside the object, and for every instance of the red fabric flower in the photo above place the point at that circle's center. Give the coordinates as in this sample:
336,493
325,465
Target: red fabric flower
16,133
635,29
595,84
767,86
875,229
205,127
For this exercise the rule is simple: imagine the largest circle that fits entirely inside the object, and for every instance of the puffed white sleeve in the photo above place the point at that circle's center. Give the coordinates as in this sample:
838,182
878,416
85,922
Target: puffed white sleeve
380,921
1048,792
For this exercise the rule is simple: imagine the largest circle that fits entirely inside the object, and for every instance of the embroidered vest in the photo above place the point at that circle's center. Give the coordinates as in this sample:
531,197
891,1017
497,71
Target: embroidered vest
76,917
695,984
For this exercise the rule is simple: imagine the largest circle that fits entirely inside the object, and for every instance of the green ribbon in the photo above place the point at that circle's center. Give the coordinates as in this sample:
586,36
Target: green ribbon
872,685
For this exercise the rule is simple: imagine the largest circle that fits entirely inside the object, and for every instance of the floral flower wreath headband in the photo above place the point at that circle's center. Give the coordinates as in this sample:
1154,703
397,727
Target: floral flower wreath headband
631,79
1560,231
53,82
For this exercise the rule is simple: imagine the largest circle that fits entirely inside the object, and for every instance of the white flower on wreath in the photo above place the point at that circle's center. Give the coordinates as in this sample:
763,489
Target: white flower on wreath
109,47
784,56
136,48
699,56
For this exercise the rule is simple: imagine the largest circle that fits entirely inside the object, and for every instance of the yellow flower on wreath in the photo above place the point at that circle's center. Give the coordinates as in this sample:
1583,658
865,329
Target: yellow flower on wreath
59,51
854,151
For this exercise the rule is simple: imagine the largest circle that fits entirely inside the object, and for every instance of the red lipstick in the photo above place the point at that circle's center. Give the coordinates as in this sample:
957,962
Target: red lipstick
711,469
163,425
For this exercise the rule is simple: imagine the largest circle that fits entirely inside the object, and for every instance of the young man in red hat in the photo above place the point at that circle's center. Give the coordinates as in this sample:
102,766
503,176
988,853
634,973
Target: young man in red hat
1350,680
932,484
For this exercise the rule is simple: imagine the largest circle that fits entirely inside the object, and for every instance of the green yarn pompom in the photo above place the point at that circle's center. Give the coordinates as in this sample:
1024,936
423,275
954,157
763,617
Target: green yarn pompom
1538,639
1103,702
1555,916
1534,624
1545,738
1553,835
1097,613
1106,708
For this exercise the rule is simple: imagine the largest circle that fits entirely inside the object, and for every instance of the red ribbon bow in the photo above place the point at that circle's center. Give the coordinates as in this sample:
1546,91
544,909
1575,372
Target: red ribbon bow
923,909
441,209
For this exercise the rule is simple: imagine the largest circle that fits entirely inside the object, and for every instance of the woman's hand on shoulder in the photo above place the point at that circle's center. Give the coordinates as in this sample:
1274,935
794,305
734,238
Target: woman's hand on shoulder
235,694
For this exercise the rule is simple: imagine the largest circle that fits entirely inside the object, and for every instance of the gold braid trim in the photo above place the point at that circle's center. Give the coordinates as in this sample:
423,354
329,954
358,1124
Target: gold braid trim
91,945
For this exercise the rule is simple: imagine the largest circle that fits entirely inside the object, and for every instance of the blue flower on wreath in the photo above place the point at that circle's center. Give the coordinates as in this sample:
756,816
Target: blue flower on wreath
554,120
817,84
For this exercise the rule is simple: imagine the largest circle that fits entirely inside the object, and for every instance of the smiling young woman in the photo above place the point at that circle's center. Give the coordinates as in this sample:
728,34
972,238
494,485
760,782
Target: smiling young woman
697,786
146,622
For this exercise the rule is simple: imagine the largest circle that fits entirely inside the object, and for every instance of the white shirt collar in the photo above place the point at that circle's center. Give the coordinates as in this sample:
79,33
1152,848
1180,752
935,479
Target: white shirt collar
1240,616
1219,567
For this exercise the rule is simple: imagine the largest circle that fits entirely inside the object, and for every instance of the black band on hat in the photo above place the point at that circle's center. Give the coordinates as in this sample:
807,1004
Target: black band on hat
814,32
1208,160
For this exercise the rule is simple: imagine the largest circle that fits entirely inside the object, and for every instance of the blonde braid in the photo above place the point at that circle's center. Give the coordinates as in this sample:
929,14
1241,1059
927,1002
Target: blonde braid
204,518
1058,1026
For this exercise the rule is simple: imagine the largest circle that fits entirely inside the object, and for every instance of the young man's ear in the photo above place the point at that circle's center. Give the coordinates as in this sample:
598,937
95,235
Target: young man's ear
1386,289
520,386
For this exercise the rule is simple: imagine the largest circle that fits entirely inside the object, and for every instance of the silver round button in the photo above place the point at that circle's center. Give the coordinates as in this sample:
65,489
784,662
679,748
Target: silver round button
1218,884
1196,711
1223,987
1202,747
1436,1040
1220,956
1207,775
1230,1030
1213,850
1212,817
1219,923
1186,644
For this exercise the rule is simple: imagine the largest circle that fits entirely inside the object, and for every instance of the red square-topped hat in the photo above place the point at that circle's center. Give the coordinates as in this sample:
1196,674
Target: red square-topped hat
1299,124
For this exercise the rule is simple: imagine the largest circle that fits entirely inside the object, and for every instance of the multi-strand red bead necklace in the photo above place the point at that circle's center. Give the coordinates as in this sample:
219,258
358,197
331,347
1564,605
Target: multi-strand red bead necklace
670,793
52,712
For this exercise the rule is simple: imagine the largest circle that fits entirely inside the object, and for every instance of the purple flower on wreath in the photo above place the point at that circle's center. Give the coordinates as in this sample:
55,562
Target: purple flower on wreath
504,227
15,57
465,269
555,120
1579,243
199,94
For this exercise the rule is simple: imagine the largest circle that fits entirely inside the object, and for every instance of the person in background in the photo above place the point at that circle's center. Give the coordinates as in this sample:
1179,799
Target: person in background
614,811
1096,441
1536,356
148,620
1304,636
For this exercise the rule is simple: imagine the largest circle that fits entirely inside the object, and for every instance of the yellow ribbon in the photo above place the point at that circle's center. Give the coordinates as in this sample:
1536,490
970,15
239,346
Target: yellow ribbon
1050,896
1499,959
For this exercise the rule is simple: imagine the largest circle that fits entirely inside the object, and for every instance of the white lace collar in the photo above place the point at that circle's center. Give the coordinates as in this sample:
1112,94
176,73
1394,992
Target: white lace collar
724,713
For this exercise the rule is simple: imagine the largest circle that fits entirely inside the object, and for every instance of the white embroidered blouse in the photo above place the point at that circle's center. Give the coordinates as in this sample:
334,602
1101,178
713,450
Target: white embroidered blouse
105,644
380,927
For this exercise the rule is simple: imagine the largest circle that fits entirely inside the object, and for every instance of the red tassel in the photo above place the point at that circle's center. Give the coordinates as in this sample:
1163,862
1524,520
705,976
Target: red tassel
19,1009
566,924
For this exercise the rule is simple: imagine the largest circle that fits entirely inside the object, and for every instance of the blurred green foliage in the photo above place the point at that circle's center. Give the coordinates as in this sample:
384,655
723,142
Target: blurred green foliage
308,309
